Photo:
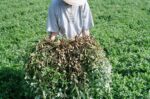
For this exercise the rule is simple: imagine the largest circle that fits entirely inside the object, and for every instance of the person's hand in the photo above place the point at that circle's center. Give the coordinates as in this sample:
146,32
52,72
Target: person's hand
52,36
86,33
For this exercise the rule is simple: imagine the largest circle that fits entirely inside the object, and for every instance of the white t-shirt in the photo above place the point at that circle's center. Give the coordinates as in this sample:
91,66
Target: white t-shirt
68,20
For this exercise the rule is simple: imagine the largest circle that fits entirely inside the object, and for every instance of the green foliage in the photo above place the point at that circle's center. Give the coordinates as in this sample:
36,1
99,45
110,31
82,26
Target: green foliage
121,27
12,84
68,69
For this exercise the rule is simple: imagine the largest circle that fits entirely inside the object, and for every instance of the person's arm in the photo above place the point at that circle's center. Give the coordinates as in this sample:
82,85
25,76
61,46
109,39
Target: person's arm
52,21
87,19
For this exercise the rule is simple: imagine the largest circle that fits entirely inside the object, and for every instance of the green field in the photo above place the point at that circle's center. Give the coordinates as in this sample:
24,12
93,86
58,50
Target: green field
121,26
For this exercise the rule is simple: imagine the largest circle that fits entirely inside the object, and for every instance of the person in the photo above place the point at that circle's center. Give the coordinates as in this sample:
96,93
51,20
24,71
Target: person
69,18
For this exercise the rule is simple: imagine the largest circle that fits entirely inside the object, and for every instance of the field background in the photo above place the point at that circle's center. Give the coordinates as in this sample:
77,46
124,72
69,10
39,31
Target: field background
121,26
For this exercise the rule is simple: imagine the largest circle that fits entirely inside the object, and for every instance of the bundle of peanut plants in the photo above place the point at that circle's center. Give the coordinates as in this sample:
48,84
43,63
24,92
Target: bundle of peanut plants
68,69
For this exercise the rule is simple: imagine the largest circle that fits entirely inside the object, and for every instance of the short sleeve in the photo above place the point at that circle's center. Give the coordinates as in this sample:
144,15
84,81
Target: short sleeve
87,17
52,20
